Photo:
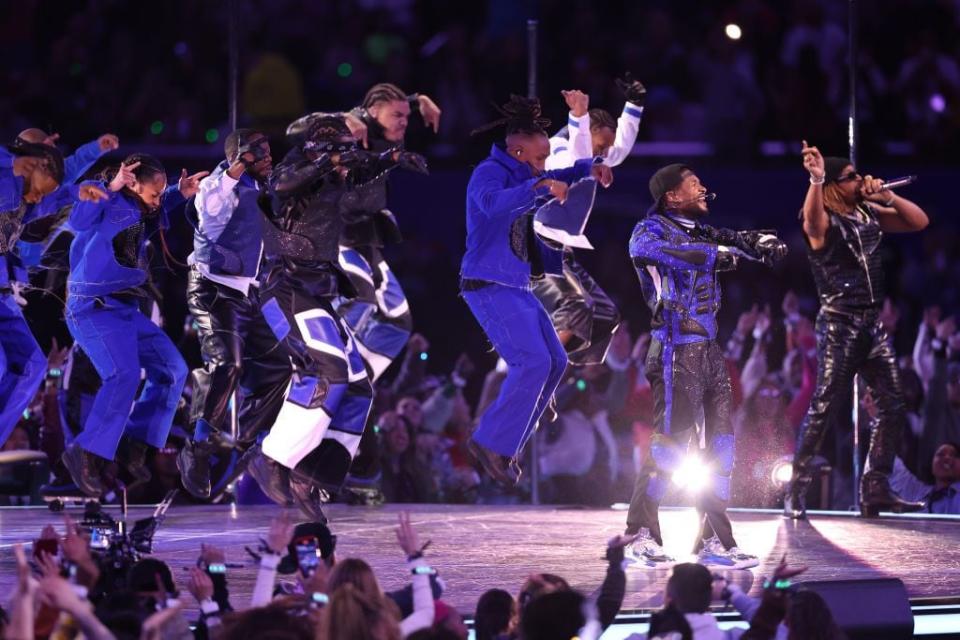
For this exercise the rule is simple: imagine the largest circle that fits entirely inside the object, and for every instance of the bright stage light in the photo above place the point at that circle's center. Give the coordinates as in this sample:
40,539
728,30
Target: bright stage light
938,103
733,31
693,474
782,472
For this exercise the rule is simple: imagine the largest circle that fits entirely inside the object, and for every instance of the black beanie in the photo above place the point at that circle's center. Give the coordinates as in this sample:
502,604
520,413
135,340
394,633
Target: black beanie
832,166
666,179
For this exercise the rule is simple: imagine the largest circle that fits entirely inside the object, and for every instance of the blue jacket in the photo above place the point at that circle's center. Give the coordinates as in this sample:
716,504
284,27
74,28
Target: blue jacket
94,270
678,277
231,240
501,189
15,213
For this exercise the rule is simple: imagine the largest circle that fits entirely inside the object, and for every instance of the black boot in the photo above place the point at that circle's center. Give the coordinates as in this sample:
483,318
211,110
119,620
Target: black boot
84,467
502,469
132,456
193,461
795,498
309,498
876,496
273,477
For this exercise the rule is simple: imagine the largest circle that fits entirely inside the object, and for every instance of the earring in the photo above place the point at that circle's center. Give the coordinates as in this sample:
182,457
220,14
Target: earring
518,152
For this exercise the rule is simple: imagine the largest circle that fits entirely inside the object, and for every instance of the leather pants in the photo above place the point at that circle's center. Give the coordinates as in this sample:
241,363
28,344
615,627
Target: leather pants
848,344
577,304
241,353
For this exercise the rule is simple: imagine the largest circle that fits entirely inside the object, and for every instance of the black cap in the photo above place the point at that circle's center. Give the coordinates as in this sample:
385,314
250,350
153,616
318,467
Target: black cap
326,543
666,179
832,166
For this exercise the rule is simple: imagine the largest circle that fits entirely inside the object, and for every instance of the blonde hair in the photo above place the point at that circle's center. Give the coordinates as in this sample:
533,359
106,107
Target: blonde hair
353,615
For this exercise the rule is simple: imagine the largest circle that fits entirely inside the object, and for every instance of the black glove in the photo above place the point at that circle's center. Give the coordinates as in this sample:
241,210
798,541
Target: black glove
764,245
633,90
413,162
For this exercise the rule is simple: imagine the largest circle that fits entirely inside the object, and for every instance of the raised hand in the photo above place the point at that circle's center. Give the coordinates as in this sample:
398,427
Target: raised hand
125,177
633,90
357,127
748,320
557,188
429,111
108,142
280,533
199,584
76,547
91,193
577,101
406,534
210,554
813,161
190,185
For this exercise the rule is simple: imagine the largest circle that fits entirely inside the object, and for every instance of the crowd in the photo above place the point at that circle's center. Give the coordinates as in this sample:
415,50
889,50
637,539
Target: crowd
295,55
65,587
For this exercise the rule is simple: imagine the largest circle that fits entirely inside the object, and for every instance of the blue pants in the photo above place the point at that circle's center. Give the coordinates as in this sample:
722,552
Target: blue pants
120,341
22,365
521,332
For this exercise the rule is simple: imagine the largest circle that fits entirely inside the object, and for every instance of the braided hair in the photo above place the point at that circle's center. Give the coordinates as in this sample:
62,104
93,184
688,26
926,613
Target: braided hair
520,115
383,92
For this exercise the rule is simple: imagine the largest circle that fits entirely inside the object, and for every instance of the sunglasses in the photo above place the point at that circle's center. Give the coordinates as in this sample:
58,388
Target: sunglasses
853,175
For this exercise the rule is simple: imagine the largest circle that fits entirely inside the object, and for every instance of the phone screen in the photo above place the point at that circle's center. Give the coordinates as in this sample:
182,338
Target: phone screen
99,538
307,557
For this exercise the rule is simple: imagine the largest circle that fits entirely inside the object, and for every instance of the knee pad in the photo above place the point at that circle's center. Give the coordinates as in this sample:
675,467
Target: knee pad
722,450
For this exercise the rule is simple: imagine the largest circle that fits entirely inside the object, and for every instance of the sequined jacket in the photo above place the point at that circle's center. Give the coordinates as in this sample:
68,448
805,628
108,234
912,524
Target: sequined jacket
678,277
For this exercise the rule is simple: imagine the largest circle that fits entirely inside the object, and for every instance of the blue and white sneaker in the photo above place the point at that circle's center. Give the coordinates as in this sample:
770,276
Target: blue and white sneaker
714,556
645,552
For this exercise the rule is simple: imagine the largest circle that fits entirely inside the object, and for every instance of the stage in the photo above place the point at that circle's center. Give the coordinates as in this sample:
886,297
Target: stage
476,548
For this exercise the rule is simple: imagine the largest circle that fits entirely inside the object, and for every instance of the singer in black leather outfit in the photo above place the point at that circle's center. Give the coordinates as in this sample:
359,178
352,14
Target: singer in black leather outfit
844,217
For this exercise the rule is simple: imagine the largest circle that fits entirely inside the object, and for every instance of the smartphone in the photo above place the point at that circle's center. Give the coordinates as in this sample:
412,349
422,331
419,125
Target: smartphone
99,538
308,554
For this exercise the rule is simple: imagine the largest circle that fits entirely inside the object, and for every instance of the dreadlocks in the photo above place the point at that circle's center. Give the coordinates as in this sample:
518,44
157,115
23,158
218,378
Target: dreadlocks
51,160
520,115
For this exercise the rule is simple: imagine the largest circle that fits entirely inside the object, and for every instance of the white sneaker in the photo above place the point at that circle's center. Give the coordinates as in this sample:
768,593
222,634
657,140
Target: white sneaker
644,551
714,556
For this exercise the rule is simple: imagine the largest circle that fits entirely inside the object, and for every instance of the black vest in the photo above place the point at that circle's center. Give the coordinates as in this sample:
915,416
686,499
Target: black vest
847,269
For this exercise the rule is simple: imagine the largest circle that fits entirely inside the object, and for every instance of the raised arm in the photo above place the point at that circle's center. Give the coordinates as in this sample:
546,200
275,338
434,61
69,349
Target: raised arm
895,213
815,220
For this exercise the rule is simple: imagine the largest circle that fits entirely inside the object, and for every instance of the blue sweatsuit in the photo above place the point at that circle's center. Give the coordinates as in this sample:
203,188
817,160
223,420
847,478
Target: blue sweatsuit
105,320
497,290
22,363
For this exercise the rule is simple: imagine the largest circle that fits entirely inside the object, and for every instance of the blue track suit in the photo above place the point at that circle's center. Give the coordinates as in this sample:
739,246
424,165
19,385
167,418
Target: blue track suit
22,363
496,271
105,320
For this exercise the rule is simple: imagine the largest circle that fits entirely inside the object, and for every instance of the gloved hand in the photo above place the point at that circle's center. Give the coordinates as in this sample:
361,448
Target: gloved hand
765,245
413,162
633,90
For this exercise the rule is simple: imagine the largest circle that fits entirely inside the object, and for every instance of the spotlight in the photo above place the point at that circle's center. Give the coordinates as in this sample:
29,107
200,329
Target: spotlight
938,103
782,472
693,474
733,31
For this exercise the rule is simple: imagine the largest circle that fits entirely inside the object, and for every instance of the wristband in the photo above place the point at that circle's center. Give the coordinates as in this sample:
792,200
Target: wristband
217,567
779,584
889,203
209,608
814,180
423,571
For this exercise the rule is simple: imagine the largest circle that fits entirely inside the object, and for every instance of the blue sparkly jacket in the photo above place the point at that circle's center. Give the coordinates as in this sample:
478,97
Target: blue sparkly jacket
678,269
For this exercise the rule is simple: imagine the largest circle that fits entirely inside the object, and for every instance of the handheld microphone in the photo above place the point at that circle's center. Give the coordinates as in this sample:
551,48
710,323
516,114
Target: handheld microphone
898,182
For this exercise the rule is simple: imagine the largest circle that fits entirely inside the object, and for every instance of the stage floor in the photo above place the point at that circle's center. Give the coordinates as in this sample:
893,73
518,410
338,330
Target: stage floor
476,548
